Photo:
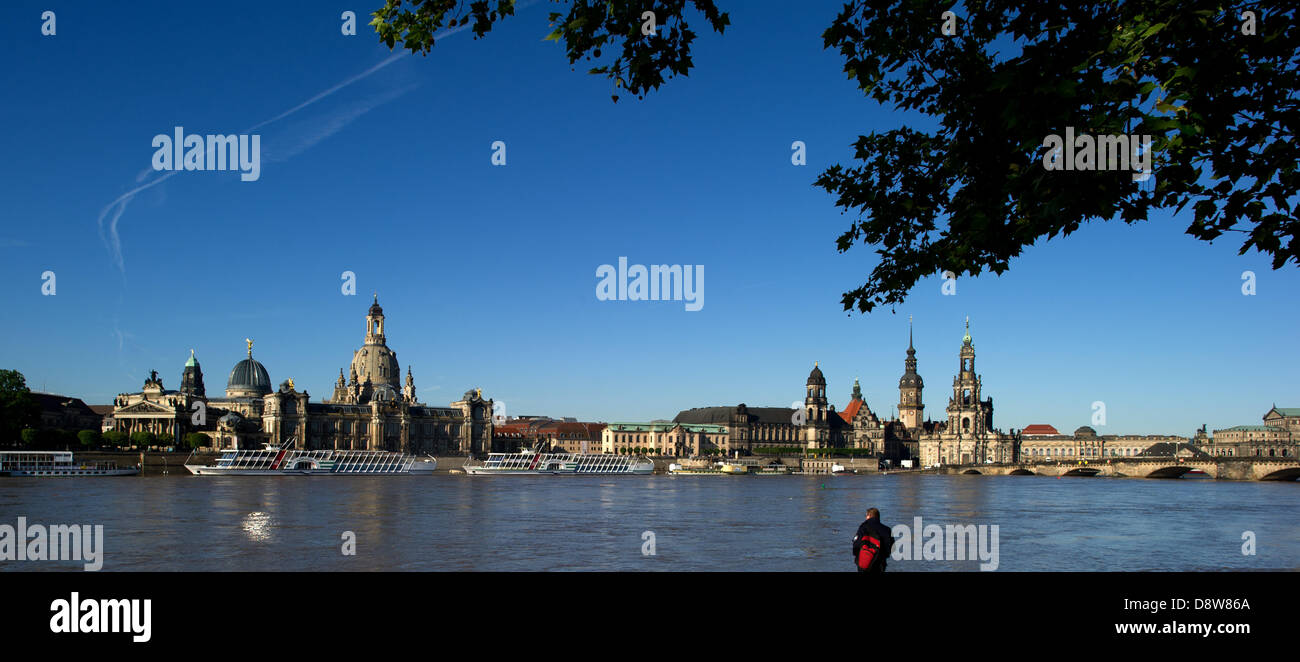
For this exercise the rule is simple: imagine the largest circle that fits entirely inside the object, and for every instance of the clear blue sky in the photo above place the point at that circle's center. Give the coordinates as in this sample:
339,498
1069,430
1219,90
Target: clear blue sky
487,274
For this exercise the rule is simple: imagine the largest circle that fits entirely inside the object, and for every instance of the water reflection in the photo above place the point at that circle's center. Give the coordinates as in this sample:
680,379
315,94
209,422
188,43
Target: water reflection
595,523
257,527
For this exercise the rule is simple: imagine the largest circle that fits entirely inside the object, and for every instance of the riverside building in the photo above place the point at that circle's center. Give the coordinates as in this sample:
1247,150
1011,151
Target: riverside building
373,410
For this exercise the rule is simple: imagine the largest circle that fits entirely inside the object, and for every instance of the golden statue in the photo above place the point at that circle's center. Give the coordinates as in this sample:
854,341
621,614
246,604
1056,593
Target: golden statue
291,383
250,346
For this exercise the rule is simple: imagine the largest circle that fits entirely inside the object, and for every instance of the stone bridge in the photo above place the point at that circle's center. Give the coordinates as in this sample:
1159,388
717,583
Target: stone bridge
1222,468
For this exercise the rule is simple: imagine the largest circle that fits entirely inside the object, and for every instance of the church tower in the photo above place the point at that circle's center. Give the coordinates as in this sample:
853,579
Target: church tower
375,324
192,379
968,416
910,385
408,391
374,367
815,404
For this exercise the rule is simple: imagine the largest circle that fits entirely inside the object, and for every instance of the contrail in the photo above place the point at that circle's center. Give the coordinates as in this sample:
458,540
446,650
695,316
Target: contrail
387,61
118,205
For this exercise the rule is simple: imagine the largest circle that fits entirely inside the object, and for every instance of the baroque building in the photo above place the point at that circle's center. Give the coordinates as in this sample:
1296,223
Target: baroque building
968,436
373,411
1279,436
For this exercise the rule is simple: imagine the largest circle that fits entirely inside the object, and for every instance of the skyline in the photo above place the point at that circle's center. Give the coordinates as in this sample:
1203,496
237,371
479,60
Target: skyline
379,163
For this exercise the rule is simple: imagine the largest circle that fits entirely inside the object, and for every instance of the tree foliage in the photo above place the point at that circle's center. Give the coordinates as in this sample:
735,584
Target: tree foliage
196,440
115,438
590,28
18,409
972,193
966,190
144,439
90,438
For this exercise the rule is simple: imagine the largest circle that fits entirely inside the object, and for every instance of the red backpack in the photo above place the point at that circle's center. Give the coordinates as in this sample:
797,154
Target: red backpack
867,552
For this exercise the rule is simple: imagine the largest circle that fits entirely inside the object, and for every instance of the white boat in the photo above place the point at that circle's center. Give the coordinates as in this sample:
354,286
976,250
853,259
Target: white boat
534,462
284,461
56,464
681,470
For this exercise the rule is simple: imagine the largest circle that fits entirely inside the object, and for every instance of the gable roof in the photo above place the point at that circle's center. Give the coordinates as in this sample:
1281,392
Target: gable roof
851,410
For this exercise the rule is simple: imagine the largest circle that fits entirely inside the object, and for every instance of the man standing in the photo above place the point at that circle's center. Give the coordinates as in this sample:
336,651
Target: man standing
872,544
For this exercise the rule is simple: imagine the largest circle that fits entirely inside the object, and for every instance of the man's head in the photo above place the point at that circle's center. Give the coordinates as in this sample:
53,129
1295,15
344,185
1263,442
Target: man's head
872,513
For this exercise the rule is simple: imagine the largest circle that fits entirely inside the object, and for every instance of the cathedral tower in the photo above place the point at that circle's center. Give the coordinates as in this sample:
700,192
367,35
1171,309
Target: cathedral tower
968,416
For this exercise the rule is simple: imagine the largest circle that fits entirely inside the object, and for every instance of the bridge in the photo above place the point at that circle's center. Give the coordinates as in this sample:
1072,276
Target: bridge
1222,468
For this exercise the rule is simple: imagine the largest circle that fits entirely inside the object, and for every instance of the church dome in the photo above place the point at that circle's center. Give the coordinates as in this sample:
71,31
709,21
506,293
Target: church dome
815,377
910,380
248,377
1085,431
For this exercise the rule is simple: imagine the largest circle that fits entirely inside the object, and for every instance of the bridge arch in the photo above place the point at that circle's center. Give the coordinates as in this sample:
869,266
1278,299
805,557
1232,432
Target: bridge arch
1021,472
1082,471
971,472
1173,471
1289,473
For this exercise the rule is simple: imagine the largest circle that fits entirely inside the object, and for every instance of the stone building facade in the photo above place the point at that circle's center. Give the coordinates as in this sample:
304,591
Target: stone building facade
561,435
968,436
373,411
667,438
66,413
1086,444
1279,436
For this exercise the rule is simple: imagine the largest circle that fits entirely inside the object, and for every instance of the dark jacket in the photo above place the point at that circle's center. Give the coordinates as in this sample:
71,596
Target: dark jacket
881,533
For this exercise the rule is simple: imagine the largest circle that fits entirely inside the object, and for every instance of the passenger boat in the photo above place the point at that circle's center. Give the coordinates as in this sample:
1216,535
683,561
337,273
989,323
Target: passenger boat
56,463
284,461
681,470
535,462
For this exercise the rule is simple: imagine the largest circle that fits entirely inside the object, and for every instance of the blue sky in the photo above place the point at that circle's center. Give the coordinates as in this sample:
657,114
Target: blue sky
487,274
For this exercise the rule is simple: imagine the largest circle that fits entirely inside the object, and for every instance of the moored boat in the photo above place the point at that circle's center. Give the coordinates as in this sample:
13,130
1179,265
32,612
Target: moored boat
48,464
536,462
284,461
682,470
